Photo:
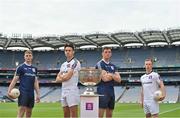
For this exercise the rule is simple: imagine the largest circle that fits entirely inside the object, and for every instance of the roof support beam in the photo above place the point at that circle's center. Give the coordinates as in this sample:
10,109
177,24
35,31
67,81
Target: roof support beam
8,42
166,37
23,40
140,39
115,40
89,40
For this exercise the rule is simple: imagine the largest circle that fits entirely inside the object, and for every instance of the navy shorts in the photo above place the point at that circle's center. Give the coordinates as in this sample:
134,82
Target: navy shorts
26,100
107,100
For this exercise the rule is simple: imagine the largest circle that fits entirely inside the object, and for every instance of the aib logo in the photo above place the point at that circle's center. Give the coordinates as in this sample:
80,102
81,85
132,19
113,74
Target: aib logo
89,106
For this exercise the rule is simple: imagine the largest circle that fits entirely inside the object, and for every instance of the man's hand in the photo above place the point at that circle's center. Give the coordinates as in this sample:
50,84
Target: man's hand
141,104
59,78
37,99
162,98
10,96
106,76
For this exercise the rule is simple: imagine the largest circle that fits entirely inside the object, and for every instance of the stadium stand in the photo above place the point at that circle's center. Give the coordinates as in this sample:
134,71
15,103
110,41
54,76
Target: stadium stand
128,59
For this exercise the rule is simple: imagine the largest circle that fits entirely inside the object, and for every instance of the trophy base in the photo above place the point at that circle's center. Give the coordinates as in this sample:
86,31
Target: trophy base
89,91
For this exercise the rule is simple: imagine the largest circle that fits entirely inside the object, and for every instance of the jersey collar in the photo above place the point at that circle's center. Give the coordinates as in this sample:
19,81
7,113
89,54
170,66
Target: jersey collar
70,60
27,64
149,73
105,61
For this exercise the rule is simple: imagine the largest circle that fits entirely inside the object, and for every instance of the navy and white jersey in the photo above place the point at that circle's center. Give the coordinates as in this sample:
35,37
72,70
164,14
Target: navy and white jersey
110,68
150,83
27,75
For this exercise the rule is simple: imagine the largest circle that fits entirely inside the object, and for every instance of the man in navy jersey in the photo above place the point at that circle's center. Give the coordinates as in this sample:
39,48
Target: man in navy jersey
26,74
105,87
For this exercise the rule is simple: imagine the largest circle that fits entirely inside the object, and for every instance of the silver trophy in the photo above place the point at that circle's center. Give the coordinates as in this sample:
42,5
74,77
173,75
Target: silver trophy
89,77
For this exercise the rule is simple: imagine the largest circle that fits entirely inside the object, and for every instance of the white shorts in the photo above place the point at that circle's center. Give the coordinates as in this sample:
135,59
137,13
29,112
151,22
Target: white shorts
151,107
70,97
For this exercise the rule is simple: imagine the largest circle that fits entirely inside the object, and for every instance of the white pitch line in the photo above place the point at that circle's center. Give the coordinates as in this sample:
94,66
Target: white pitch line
169,110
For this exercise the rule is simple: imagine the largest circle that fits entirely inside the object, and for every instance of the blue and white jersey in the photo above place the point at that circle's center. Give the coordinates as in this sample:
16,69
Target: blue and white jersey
150,83
27,75
110,68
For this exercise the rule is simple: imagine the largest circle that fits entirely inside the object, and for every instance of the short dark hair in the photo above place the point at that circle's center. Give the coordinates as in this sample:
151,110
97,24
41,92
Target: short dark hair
69,45
149,59
106,48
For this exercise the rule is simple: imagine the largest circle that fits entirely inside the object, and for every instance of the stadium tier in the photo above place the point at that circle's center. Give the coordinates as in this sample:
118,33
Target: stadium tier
131,95
122,57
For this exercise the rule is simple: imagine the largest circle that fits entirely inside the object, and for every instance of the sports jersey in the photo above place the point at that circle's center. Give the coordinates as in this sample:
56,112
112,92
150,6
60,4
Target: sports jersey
150,83
27,75
110,68
71,83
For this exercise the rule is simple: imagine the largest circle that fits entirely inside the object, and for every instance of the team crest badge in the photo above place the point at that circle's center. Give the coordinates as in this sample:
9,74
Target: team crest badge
68,65
33,69
112,67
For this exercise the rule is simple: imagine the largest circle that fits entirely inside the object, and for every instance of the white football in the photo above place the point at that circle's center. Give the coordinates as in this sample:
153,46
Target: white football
15,93
157,95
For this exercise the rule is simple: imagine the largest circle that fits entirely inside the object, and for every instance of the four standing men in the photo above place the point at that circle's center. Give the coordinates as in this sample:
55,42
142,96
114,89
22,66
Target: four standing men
68,76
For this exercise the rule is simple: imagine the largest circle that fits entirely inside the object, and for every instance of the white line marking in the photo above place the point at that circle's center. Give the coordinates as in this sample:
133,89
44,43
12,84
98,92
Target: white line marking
169,110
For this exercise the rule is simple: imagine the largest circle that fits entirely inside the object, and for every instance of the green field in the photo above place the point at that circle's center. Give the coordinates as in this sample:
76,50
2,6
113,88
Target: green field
121,110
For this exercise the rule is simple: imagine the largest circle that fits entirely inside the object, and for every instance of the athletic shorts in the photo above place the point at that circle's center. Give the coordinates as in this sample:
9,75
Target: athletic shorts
26,100
70,97
106,101
151,107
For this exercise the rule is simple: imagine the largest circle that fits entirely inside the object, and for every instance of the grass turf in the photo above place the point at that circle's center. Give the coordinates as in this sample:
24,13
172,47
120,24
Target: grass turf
121,110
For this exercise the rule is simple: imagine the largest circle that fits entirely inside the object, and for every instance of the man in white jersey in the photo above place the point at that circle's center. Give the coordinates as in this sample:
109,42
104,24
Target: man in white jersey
68,75
150,83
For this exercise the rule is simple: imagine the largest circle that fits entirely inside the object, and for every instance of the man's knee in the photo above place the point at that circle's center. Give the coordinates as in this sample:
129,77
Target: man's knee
155,115
148,115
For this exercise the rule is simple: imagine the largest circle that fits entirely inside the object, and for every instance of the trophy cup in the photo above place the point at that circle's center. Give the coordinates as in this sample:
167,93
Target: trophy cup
89,77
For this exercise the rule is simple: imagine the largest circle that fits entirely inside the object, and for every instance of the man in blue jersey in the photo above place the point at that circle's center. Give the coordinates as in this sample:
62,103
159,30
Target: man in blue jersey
105,87
26,74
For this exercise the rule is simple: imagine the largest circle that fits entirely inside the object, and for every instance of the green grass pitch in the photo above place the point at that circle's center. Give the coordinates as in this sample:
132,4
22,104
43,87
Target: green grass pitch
121,110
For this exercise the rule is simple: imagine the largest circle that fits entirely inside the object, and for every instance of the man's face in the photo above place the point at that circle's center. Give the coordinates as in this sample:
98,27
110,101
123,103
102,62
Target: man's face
69,52
28,57
107,54
148,65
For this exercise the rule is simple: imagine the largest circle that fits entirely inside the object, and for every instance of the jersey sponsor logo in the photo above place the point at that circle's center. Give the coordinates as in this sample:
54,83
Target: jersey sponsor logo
147,82
29,74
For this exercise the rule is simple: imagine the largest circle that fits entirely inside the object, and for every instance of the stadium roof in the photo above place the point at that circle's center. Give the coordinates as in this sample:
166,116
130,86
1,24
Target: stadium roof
121,39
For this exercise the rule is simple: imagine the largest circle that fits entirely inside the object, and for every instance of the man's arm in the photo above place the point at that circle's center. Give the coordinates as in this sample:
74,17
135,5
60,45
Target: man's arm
142,97
13,83
162,88
115,76
36,87
105,76
61,77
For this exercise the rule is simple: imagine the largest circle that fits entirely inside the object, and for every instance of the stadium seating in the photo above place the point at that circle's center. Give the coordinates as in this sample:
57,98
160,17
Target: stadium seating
124,58
131,95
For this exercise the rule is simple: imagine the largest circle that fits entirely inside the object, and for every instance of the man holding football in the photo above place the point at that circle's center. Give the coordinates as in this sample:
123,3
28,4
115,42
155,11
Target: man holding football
150,84
26,74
